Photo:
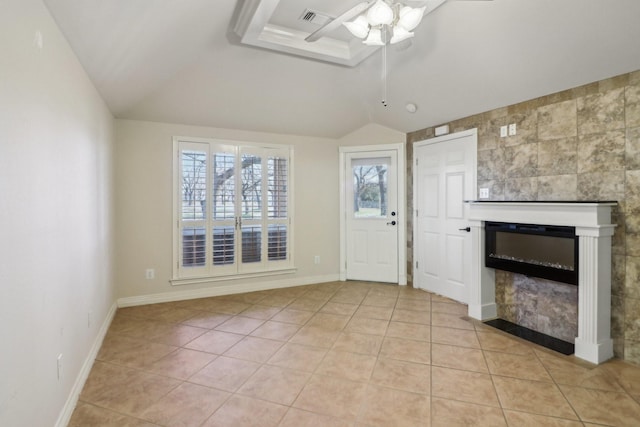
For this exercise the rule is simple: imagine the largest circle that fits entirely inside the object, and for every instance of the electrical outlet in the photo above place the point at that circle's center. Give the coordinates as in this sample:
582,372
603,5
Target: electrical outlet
512,129
503,131
484,193
150,273
89,320
316,259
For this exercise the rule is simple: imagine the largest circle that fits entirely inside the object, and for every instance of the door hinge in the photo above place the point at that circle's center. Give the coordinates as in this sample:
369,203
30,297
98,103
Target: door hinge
416,162
416,265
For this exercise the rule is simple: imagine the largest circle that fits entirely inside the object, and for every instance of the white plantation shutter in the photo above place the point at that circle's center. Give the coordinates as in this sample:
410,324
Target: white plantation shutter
232,208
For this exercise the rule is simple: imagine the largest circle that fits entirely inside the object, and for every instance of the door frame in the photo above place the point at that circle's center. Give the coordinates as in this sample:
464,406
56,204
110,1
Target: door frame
438,140
402,205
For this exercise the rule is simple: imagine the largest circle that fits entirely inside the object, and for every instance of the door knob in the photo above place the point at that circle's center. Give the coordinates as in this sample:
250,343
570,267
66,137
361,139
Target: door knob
467,229
391,223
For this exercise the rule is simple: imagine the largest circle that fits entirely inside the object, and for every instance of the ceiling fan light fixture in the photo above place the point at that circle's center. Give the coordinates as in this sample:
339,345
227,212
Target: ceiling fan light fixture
409,17
380,14
374,38
400,34
359,27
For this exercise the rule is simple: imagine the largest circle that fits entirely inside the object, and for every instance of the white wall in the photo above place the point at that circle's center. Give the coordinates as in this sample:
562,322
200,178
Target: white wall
372,134
144,210
55,216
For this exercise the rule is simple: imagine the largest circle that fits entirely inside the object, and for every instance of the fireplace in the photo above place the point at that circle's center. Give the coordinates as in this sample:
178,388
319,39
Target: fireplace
593,231
545,251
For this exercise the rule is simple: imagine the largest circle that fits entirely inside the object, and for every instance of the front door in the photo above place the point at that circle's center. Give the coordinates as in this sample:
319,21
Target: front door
372,220
444,177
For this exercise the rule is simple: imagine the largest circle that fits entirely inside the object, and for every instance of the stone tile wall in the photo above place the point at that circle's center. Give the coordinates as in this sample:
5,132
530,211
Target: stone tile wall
579,144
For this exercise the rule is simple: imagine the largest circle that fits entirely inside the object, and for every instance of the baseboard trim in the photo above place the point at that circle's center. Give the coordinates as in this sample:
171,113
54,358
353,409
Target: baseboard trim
223,289
74,395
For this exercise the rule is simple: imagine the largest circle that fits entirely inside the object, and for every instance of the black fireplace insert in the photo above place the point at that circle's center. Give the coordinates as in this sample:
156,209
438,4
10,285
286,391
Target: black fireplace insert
545,251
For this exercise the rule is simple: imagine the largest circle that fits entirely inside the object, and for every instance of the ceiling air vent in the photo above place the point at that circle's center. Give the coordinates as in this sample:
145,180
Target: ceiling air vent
314,17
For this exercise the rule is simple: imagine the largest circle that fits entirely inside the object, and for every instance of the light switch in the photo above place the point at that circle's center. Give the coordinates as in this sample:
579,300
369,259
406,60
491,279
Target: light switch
484,193
512,129
503,131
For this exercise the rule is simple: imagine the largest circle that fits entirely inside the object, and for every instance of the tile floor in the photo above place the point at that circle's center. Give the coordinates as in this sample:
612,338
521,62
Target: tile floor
339,354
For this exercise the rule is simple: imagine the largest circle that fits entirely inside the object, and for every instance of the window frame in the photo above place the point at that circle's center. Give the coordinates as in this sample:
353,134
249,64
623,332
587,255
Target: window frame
210,272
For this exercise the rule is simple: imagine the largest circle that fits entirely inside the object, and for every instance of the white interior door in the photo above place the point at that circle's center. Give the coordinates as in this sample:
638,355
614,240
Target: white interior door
444,177
372,220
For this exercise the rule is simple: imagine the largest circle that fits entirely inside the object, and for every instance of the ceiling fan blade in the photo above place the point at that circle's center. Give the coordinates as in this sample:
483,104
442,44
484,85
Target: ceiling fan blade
335,23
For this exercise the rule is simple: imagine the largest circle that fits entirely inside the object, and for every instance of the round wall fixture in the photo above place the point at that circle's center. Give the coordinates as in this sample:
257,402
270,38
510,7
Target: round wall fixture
411,107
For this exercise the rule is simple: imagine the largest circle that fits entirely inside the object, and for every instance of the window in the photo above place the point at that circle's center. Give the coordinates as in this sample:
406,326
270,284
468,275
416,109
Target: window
233,209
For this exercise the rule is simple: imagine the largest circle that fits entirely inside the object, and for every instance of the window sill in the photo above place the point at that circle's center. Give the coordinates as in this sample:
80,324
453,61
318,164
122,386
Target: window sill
207,279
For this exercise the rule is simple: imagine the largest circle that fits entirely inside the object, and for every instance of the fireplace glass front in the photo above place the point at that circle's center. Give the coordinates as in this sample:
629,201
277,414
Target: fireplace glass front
549,252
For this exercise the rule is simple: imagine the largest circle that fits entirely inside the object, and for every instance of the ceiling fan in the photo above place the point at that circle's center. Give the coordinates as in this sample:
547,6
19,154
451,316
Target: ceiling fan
388,12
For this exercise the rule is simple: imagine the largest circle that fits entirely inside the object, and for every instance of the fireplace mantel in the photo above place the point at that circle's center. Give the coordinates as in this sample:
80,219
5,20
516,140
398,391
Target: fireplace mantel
594,229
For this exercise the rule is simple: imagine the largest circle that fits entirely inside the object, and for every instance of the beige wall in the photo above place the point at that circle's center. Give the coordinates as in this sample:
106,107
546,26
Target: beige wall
144,209
579,144
55,216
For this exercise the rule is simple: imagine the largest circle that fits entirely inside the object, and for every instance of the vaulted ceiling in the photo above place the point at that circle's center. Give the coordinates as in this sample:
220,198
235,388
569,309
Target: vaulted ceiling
181,61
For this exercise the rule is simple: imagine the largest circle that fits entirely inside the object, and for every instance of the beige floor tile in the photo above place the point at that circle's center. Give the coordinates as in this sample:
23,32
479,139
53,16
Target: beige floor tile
263,312
603,407
225,306
182,363
401,375
451,336
385,407
332,396
374,312
471,387
176,334
254,349
411,316
413,293
315,336
148,311
241,411
379,301
565,371
319,295
627,375
308,304
533,396
186,405
367,326
225,373
131,352
206,319
240,325
275,384
86,415
276,330
127,391
451,321
456,309
522,419
333,322
339,308
175,315
300,357
299,418
347,297
214,342
413,304
526,367
350,366
412,331
467,359
276,300
298,317
407,350
499,342
440,298
358,343
250,297
450,413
